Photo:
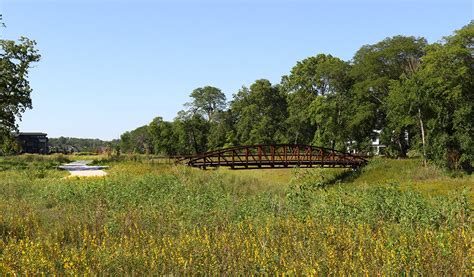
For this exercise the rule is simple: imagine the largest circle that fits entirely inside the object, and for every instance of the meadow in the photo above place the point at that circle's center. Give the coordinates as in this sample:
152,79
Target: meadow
149,217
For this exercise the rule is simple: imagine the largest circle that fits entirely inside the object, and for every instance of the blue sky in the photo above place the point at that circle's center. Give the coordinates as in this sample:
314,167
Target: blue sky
111,66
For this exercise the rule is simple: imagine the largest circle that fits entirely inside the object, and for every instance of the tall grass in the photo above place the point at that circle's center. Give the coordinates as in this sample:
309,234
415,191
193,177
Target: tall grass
30,161
148,218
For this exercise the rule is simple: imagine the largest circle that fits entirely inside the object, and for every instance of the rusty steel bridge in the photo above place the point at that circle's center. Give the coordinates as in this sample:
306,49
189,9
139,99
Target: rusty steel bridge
274,156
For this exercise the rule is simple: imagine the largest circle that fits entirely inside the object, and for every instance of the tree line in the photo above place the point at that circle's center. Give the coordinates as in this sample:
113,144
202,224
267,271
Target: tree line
71,145
417,97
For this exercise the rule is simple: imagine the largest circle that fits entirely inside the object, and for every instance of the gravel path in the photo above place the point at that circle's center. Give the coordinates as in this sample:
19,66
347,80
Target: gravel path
82,169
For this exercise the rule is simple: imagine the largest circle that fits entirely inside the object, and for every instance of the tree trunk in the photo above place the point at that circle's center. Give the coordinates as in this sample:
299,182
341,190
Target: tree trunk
422,127
194,141
400,147
402,144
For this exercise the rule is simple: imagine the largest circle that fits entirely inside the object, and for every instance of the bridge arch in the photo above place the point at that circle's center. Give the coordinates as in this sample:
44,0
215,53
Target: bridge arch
275,156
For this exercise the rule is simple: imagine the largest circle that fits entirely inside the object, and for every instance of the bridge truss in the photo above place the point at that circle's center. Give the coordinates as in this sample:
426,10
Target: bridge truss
275,156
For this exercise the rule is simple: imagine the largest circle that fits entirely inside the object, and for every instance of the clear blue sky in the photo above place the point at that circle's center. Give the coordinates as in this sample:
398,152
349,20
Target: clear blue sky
111,66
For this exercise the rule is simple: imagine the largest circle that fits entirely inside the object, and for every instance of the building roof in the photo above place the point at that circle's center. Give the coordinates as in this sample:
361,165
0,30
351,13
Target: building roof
30,134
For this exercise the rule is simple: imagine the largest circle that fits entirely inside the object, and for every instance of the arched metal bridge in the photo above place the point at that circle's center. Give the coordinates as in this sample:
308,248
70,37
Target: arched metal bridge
274,156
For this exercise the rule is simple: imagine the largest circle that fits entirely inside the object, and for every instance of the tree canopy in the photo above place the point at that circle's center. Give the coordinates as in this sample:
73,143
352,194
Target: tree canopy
207,101
416,97
16,58
436,101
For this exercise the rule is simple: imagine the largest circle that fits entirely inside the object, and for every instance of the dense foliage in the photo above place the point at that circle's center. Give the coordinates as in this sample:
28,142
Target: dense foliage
15,60
150,218
418,97
69,145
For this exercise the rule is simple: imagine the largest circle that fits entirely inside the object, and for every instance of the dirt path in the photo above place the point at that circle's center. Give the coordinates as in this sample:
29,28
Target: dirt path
82,169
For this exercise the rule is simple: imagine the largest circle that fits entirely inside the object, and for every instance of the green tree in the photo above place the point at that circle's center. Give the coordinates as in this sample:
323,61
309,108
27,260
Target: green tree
137,141
331,115
126,143
260,114
192,131
374,68
406,112
207,101
438,99
315,76
222,130
15,91
9,145
163,137
318,90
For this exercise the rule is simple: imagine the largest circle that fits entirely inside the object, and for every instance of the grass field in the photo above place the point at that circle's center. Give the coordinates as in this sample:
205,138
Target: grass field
146,217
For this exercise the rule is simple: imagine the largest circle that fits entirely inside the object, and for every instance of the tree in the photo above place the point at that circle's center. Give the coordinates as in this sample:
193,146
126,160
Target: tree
222,130
315,76
137,141
9,145
15,91
317,92
406,110
440,96
192,131
260,114
374,67
163,137
126,143
207,101
331,114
